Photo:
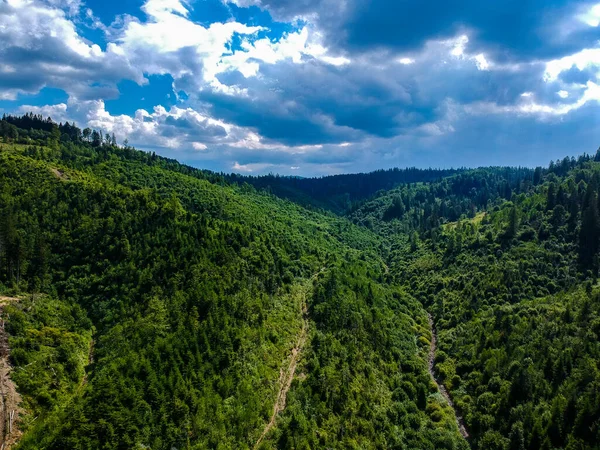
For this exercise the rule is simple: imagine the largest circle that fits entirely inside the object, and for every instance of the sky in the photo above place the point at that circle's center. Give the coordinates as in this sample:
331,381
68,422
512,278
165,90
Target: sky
313,87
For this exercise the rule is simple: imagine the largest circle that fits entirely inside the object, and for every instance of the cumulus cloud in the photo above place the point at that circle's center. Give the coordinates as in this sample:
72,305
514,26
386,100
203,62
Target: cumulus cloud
40,46
173,128
57,112
171,43
320,103
349,84
507,29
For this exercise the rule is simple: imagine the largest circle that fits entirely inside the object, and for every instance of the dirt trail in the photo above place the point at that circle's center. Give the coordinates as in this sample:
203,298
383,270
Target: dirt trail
9,397
6,300
59,174
286,375
432,347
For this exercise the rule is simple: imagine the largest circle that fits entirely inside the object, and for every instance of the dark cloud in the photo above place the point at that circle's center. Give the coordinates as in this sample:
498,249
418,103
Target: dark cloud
578,76
481,140
290,124
506,29
442,109
192,129
507,139
24,80
316,103
52,64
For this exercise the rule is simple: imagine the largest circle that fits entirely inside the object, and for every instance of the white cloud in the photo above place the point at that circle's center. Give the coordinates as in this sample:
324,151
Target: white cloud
459,45
168,32
591,16
585,58
169,42
40,46
481,62
57,112
158,8
292,46
529,106
249,168
174,128
26,21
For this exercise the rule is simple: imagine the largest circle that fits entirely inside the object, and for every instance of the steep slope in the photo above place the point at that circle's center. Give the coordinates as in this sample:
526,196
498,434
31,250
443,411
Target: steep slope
512,290
363,381
426,206
340,193
288,370
210,329
189,287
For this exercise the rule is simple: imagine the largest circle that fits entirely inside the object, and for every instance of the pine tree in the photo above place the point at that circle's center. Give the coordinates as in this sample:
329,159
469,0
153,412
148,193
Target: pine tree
551,197
537,176
589,234
513,223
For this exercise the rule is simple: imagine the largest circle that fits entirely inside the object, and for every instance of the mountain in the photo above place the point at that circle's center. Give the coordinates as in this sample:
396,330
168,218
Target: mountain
148,304
162,307
340,193
509,274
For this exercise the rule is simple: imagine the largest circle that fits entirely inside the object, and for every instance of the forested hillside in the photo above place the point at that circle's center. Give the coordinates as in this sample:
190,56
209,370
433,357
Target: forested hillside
340,193
506,261
157,307
154,305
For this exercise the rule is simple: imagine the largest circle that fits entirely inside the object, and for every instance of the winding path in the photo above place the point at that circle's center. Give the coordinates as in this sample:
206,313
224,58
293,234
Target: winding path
286,375
431,360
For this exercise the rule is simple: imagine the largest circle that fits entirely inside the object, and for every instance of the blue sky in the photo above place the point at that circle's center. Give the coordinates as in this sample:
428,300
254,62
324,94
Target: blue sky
313,87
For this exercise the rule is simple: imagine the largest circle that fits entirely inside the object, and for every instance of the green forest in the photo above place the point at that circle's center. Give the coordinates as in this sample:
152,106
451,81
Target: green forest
156,305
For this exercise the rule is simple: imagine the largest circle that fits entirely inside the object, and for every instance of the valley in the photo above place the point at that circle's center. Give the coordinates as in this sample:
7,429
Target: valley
162,306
